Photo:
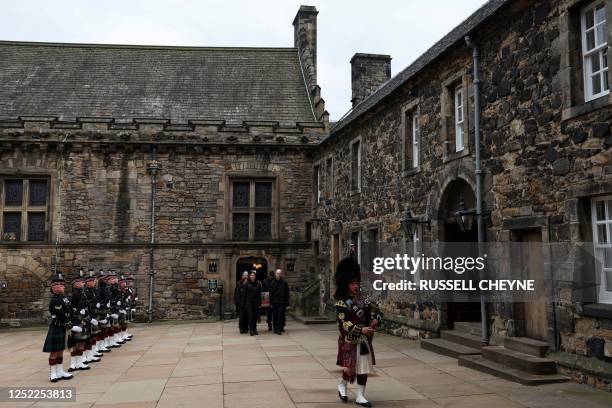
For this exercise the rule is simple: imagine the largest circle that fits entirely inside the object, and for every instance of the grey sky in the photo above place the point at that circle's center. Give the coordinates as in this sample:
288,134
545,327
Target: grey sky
403,29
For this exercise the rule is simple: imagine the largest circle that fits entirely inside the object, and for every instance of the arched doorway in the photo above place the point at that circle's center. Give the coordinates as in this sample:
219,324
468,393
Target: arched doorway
252,263
459,242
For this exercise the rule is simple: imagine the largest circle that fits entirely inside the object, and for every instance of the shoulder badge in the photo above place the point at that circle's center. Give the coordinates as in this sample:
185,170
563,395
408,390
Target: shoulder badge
341,316
340,303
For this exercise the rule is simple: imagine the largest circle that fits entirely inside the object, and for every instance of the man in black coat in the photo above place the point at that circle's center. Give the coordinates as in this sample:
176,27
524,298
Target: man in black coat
279,298
239,301
252,301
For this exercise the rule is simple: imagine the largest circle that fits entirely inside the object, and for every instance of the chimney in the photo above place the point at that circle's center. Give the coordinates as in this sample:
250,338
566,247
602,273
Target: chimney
368,73
305,40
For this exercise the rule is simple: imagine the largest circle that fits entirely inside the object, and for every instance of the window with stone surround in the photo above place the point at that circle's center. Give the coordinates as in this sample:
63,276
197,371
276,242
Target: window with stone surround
594,34
454,103
252,210
458,110
356,166
584,75
24,205
316,184
410,137
601,213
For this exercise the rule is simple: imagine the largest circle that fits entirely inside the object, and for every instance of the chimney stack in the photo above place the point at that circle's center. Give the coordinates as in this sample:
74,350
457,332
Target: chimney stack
368,73
305,40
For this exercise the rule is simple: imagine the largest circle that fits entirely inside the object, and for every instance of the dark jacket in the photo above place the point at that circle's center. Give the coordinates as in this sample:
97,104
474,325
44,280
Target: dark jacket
252,295
61,311
78,302
239,294
266,284
279,292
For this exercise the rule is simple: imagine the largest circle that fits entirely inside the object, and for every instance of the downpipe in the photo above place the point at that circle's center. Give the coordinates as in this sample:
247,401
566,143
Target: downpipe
154,167
484,338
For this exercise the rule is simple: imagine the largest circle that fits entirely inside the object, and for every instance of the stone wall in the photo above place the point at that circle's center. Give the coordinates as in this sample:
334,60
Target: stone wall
100,212
542,159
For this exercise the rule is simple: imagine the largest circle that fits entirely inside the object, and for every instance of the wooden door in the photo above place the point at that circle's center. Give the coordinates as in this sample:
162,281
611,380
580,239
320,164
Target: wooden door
532,265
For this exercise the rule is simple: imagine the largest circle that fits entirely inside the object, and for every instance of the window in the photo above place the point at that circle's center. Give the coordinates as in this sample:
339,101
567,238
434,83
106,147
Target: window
317,184
411,139
459,118
24,206
602,227
252,210
595,51
356,166
329,168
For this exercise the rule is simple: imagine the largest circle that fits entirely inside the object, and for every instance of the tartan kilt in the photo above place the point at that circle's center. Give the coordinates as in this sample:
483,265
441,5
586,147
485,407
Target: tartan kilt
347,353
56,339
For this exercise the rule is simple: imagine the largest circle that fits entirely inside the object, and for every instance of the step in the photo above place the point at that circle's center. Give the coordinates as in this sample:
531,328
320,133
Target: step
518,360
312,319
479,363
447,348
526,345
465,339
473,328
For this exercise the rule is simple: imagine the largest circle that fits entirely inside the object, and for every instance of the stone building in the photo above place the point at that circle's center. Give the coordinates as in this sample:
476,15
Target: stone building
406,152
180,165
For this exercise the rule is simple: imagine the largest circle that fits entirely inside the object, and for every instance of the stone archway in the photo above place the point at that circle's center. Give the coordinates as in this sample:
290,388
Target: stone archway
26,295
249,263
457,243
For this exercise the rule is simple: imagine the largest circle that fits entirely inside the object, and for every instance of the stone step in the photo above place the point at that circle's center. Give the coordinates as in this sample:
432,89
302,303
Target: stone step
447,348
518,360
526,345
312,319
478,362
465,339
473,328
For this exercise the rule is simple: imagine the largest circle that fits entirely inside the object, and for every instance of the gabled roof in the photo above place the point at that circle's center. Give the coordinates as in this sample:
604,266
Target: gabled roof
175,83
451,39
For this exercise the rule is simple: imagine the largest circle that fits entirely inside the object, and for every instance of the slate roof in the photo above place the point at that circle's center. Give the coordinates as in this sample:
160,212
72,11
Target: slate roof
176,83
451,39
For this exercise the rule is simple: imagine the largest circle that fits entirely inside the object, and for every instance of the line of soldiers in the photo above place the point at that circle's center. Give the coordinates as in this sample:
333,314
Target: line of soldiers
92,321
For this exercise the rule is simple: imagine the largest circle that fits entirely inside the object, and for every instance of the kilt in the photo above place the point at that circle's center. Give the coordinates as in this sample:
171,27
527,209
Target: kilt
56,339
347,353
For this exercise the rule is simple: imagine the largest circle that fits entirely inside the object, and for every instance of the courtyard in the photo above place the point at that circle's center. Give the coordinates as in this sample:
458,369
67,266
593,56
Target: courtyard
211,365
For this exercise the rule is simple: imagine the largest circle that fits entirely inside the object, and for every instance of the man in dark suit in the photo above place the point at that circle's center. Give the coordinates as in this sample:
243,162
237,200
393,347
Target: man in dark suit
279,298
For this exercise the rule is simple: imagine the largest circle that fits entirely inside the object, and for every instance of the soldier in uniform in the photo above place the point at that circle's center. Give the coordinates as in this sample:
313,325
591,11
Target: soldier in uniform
133,296
358,319
115,307
103,303
78,338
55,342
123,312
92,353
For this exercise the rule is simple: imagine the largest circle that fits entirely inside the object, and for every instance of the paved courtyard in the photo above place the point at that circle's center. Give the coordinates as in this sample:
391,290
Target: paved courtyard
210,365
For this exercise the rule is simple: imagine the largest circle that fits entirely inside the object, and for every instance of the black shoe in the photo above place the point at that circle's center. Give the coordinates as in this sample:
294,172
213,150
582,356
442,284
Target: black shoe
283,330
84,368
256,333
269,328
343,399
252,333
364,404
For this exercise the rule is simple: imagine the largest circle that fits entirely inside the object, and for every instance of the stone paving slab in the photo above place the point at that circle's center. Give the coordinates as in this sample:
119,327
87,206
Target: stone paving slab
193,364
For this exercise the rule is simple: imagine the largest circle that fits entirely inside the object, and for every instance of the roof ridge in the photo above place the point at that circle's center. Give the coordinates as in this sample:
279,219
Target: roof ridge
140,46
